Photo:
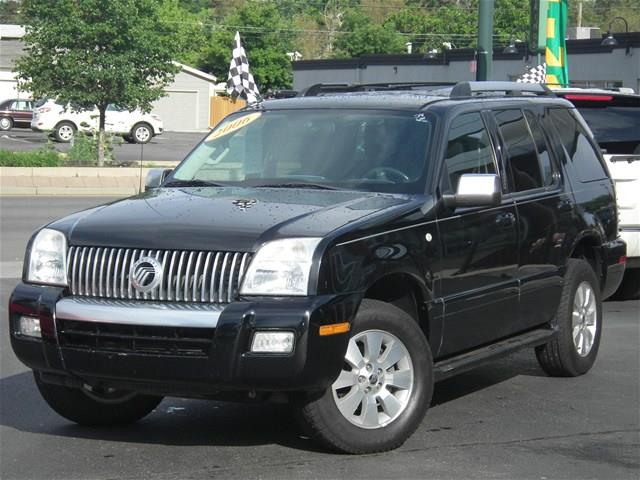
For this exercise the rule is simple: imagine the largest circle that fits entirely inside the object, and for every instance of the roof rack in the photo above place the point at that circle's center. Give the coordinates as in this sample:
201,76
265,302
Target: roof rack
468,89
328,88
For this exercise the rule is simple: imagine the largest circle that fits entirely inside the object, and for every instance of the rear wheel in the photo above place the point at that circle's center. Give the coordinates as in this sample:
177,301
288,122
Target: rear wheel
384,389
142,133
96,407
64,132
6,123
574,349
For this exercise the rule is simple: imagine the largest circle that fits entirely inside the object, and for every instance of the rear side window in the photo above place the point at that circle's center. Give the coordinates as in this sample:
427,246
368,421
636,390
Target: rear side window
521,150
468,150
544,158
577,146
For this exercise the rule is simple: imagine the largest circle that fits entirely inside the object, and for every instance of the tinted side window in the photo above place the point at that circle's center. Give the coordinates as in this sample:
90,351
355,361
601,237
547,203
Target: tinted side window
577,146
542,148
468,150
523,158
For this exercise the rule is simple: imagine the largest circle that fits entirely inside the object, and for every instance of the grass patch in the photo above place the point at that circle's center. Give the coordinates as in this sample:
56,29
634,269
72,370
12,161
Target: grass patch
43,157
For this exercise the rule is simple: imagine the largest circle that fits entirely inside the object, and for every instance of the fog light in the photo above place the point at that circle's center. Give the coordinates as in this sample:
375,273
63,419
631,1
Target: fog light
29,327
272,342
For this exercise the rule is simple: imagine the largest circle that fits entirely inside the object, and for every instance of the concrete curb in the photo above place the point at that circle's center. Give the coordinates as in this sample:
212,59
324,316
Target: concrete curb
71,181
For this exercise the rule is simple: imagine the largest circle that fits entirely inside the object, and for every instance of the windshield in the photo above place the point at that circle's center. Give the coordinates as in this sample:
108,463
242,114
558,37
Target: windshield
333,148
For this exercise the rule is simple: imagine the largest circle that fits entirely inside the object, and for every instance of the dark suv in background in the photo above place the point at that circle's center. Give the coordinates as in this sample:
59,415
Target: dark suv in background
344,250
614,118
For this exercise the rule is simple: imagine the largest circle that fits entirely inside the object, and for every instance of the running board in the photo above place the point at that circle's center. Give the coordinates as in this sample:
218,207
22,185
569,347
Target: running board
467,361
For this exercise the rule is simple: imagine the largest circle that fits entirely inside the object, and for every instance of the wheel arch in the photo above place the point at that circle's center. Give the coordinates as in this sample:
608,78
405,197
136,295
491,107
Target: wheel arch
587,246
404,291
142,122
66,121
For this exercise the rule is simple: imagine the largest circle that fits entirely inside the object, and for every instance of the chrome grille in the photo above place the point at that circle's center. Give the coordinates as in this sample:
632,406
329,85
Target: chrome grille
188,276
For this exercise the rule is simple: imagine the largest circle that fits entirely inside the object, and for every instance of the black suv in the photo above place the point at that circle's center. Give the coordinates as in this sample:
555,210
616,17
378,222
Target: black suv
342,250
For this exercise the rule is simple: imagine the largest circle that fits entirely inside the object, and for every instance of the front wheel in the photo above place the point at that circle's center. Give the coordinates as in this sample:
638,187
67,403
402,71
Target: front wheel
96,407
384,389
578,320
142,133
64,132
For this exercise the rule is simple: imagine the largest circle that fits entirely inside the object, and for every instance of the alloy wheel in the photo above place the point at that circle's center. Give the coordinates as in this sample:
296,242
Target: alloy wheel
584,319
376,382
142,134
65,132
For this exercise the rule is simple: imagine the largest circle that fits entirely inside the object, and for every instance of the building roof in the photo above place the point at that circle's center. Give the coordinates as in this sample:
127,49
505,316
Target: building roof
197,73
574,47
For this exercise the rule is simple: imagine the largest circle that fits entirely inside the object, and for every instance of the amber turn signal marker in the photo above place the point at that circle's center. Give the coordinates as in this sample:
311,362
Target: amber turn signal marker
334,329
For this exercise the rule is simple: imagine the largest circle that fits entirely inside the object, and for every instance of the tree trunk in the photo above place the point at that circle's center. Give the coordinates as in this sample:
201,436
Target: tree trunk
101,135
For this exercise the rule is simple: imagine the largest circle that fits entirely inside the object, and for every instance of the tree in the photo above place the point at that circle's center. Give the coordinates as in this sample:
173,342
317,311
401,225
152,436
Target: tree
95,53
266,37
362,37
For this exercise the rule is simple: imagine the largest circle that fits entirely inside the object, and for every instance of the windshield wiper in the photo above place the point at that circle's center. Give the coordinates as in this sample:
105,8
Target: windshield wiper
193,183
317,186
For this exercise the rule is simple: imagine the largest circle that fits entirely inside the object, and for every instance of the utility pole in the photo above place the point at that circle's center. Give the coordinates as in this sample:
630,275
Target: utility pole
579,14
485,39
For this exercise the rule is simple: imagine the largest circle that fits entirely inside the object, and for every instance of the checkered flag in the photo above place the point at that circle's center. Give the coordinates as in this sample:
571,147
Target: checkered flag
535,74
240,82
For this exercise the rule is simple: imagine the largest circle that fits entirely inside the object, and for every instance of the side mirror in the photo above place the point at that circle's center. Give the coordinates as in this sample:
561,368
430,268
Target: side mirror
475,190
155,178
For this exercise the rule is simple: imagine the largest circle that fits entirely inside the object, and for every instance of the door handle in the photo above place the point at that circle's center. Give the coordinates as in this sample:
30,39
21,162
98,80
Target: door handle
505,219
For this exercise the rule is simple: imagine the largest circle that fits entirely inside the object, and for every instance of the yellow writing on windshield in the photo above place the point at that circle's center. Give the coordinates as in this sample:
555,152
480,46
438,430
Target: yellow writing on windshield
233,126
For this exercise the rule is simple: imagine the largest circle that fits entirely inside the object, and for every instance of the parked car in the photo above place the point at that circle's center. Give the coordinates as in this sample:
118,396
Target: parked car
15,112
614,118
63,120
342,252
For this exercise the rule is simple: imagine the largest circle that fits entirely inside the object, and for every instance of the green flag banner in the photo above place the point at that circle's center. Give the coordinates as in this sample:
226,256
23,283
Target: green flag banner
556,52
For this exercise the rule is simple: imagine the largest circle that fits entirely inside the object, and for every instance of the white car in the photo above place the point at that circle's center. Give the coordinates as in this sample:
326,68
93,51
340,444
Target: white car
614,119
63,120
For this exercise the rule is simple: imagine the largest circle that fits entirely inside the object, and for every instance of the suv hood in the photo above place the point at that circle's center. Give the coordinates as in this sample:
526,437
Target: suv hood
227,218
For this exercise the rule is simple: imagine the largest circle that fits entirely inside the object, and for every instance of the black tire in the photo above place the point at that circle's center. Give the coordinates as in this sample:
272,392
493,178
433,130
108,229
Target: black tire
629,289
6,123
319,414
96,409
560,356
64,132
141,133
128,139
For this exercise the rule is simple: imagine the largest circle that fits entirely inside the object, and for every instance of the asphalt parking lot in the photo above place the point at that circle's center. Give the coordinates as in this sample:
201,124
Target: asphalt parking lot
504,420
168,147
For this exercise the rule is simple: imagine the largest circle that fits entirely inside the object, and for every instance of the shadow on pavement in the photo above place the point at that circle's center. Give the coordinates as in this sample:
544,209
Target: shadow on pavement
182,422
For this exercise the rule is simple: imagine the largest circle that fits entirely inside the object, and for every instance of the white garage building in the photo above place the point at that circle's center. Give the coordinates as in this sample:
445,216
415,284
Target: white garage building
186,107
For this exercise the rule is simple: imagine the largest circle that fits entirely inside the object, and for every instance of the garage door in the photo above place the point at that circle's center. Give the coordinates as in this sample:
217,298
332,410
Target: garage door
179,111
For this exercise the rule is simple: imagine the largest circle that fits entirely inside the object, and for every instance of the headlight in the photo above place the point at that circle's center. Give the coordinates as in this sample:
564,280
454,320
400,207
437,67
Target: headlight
48,258
281,267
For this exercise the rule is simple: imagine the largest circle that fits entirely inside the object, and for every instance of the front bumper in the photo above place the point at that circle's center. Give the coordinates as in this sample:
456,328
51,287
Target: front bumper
178,349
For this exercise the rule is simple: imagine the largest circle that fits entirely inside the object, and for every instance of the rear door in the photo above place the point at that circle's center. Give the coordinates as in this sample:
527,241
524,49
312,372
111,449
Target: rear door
544,208
21,111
